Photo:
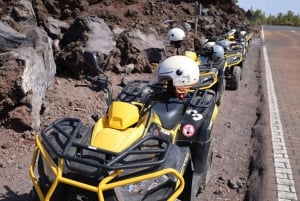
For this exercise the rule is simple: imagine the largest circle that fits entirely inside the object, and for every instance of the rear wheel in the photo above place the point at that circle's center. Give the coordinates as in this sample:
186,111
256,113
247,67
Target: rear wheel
206,174
75,194
236,77
247,45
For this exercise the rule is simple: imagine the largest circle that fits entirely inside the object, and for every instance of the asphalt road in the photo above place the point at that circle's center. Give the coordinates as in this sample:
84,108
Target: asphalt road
281,53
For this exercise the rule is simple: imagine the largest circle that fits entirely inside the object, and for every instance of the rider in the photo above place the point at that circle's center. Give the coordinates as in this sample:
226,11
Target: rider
180,72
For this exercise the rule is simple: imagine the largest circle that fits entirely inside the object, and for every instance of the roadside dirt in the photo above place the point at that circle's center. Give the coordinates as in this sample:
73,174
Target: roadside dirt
235,140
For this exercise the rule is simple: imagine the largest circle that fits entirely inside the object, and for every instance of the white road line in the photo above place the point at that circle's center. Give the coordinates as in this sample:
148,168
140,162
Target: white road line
284,176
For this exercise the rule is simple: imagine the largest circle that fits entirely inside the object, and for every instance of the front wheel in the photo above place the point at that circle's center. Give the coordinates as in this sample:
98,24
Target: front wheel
220,94
198,173
32,196
236,77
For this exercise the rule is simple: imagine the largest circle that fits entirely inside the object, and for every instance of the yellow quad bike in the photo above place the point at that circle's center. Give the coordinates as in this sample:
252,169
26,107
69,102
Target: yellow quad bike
244,37
238,41
230,35
240,45
248,38
148,146
233,70
211,75
233,66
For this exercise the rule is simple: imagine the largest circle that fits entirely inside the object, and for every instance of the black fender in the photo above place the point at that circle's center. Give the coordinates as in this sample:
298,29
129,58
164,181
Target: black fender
197,123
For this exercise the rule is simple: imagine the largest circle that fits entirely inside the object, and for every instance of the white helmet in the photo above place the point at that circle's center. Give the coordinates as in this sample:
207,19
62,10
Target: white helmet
209,44
231,32
176,34
243,33
218,53
182,70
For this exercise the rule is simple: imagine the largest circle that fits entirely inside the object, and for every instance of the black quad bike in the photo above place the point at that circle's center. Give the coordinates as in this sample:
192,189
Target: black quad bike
149,146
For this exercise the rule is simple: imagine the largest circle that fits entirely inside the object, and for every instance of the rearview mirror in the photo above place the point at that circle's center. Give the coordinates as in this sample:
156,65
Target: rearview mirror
91,59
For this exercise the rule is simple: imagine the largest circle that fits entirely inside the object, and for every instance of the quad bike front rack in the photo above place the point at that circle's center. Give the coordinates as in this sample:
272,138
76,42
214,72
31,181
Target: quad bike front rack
57,156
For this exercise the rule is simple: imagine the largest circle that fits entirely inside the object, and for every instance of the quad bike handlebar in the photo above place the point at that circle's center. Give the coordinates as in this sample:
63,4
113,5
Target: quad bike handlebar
101,82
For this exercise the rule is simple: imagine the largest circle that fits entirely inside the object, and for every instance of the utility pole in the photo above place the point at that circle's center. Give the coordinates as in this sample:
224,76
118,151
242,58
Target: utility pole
197,13
196,18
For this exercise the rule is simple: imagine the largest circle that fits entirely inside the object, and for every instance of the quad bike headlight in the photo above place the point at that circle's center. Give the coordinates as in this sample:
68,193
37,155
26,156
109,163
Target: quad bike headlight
152,189
142,187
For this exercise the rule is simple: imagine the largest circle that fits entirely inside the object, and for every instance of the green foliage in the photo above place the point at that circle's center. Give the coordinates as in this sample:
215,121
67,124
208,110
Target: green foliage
259,16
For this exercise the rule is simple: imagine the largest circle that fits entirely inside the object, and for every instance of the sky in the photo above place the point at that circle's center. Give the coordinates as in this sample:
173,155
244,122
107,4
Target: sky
272,7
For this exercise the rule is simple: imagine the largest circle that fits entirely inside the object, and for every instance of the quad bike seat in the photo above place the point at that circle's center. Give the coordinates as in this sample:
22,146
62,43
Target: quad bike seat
170,113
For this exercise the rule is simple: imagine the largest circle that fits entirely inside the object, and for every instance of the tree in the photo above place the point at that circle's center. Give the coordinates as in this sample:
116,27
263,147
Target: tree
281,19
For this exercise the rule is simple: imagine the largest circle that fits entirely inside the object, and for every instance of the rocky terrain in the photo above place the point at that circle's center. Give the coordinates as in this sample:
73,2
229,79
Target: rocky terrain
127,35
57,32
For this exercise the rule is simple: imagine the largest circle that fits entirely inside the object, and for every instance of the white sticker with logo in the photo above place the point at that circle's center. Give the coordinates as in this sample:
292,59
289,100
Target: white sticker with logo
195,115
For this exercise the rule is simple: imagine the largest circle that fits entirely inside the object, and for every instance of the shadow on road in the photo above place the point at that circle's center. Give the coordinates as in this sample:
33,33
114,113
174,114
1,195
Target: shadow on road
12,196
